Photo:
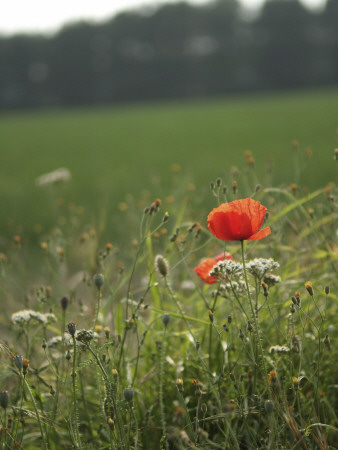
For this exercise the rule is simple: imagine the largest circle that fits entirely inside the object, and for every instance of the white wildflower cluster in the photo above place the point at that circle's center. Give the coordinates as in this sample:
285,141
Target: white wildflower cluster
237,287
226,268
28,315
271,279
56,177
259,267
279,349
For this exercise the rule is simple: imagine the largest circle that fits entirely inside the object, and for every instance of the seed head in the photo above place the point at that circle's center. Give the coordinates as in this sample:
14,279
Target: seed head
327,290
162,266
84,336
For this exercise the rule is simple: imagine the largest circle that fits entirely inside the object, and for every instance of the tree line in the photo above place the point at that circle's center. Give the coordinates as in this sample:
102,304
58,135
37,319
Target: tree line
175,51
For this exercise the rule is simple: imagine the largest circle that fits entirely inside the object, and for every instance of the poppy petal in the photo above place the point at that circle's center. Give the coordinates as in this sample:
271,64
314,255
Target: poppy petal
260,234
237,220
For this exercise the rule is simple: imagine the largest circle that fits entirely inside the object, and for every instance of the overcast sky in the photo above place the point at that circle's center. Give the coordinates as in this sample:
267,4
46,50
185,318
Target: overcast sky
48,16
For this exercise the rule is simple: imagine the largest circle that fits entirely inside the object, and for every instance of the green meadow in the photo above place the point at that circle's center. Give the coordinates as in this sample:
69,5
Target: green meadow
126,322
114,151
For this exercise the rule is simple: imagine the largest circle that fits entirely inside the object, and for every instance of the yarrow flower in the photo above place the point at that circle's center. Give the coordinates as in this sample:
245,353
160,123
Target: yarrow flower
227,269
28,315
260,266
207,264
238,221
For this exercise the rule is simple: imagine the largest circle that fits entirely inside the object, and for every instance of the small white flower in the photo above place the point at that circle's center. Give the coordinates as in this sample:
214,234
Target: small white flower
226,268
56,177
260,266
28,315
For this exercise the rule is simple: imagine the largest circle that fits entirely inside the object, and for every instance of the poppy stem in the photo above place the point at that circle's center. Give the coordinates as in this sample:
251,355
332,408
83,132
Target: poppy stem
258,344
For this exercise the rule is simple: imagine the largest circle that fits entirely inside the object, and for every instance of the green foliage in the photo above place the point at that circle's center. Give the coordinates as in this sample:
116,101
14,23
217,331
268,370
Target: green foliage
247,362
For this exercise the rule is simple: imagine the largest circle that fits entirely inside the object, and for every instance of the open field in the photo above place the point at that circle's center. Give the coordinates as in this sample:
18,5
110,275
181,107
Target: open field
114,151
127,322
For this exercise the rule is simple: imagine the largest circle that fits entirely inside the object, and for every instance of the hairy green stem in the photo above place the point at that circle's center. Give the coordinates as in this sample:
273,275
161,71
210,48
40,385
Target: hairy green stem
44,441
77,431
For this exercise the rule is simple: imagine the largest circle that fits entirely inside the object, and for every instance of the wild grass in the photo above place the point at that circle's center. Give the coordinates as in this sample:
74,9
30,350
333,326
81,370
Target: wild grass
116,346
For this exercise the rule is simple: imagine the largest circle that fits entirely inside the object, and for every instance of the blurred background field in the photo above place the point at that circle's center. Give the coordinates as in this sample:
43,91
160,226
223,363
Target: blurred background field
115,151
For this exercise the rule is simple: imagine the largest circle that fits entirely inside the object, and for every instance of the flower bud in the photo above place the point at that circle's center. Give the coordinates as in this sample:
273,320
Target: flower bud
98,280
308,286
165,319
128,394
179,384
18,360
269,406
64,303
71,328
161,265
106,332
4,399
25,365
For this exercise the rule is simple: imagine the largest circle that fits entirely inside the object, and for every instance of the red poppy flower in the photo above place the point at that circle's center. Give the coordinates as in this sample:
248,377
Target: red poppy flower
238,221
207,264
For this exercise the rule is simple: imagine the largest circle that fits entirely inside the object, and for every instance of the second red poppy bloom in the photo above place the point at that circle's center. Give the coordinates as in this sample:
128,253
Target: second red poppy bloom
239,220
206,266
